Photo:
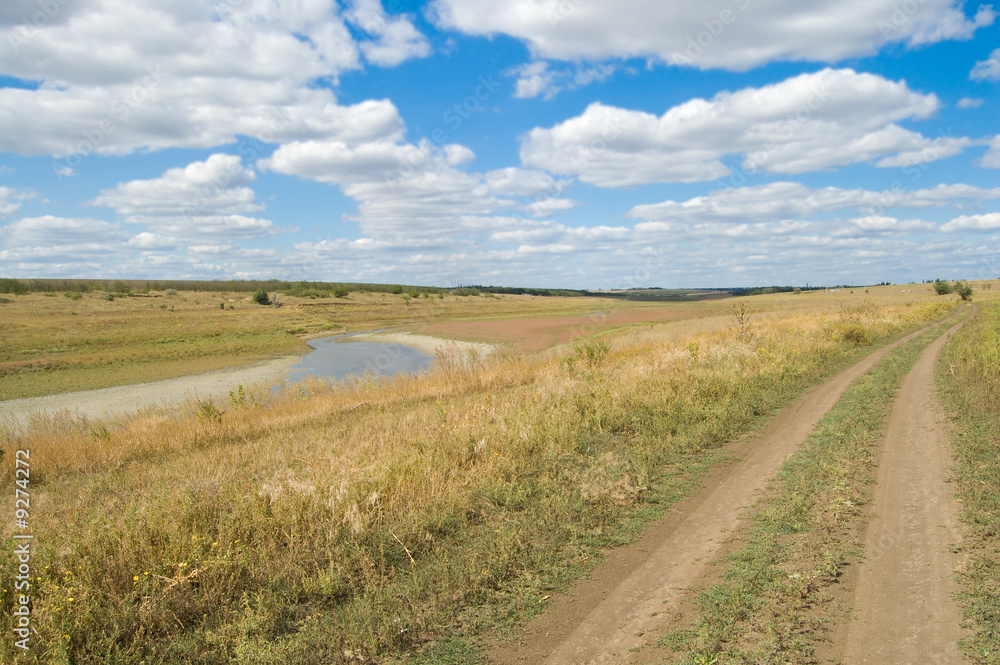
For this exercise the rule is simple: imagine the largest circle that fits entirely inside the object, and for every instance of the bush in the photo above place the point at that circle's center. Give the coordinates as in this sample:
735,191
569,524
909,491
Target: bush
109,296
15,286
941,288
73,295
341,291
963,290
170,292
260,297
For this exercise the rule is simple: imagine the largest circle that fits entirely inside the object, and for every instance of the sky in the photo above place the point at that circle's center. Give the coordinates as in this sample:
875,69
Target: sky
549,143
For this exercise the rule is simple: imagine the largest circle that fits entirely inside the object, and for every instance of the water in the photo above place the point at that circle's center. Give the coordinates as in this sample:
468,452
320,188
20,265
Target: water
337,358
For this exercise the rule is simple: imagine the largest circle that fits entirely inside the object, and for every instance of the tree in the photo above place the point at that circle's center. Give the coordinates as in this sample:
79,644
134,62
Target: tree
963,290
260,297
941,287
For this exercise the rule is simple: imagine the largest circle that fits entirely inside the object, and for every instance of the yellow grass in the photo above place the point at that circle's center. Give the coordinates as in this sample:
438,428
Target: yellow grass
375,517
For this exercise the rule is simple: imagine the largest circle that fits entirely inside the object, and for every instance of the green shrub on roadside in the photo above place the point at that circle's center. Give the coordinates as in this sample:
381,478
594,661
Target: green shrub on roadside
73,295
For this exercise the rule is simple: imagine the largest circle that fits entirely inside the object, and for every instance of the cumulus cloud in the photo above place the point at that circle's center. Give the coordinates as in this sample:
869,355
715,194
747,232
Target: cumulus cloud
188,75
201,200
417,191
50,230
991,159
729,34
806,123
210,186
397,39
786,200
988,69
987,222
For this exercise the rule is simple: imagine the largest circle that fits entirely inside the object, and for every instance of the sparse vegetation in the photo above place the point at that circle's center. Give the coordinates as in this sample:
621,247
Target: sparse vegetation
768,606
969,375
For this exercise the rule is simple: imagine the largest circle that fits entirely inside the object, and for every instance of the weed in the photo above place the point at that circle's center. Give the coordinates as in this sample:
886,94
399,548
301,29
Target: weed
969,375
742,314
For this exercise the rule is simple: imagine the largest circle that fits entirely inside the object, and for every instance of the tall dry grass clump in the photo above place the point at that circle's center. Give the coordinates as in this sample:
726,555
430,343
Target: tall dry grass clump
343,524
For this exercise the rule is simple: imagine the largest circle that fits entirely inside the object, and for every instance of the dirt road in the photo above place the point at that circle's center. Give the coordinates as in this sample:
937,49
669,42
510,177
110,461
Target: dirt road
629,600
903,608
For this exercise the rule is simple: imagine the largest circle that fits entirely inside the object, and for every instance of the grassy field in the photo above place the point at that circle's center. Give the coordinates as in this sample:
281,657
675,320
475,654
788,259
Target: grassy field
406,518
970,378
51,343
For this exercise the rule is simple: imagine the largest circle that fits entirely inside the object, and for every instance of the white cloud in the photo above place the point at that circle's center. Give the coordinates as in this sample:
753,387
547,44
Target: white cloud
61,232
806,123
991,159
969,103
397,39
730,34
987,222
212,186
187,75
11,199
881,223
415,191
201,200
987,70
538,79
786,200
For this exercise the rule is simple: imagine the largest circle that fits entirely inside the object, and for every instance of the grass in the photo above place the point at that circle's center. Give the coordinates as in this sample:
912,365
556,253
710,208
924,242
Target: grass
770,602
398,519
969,376
82,342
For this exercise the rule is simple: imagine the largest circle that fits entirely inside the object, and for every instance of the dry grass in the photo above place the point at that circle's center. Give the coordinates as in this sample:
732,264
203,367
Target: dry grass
371,519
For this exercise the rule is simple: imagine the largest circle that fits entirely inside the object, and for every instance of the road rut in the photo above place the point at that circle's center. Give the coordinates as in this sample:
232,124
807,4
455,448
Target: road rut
629,599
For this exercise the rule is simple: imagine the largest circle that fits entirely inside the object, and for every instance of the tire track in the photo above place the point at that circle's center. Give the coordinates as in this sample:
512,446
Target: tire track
636,590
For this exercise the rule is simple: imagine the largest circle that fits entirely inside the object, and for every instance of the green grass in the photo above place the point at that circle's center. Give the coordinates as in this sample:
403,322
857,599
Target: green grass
969,376
769,604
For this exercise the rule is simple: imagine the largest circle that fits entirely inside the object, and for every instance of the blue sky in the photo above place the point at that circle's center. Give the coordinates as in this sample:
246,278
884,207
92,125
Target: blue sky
559,143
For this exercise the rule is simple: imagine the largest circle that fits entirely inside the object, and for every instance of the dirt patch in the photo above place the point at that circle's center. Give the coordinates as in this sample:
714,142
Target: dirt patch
631,599
534,334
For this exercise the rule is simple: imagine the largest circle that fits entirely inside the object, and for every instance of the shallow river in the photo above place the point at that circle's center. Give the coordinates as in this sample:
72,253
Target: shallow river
337,358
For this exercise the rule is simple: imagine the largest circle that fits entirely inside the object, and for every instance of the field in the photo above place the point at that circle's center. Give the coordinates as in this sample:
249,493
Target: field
413,519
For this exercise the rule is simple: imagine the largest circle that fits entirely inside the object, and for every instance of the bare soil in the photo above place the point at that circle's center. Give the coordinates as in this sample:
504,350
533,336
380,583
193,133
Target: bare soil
630,600
534,334
904,610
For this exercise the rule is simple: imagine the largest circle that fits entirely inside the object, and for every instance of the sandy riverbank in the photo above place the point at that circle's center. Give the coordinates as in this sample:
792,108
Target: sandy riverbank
125,400
426,343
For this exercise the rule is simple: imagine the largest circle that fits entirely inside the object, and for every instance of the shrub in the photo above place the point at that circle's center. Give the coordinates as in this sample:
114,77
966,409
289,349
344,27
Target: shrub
964,290
941,288
170,292
109,296
341,291
15,286
73,295
260,297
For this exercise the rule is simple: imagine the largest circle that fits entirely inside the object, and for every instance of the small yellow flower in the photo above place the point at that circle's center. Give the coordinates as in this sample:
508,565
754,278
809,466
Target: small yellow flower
135,578
214,544
69,600
146,573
